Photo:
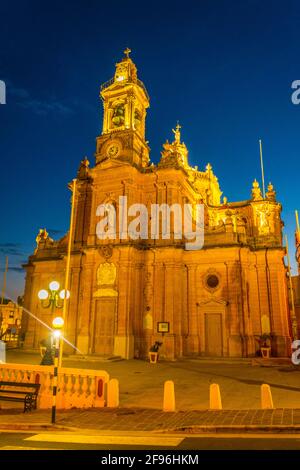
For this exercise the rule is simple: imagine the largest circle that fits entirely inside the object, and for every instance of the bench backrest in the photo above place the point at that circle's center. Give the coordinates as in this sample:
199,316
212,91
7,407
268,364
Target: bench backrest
36,387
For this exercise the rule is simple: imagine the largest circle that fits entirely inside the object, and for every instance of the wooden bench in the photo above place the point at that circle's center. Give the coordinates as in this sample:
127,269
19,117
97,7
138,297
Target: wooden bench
20,392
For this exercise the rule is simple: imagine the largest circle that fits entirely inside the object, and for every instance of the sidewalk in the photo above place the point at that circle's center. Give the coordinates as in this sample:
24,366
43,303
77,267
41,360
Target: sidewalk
141,397
141,383
139,419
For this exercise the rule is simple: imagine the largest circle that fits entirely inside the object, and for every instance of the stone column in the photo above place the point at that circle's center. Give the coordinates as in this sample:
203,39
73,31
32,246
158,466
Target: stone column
84,340
177,312
148,310
159,299
184,309
236,311
169,338
279,306
137,307
254,308
193,343
105,117
31,304
124,339
27,304
96,198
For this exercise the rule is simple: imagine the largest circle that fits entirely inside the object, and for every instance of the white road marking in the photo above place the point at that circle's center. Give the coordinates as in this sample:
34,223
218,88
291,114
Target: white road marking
112,440
26,448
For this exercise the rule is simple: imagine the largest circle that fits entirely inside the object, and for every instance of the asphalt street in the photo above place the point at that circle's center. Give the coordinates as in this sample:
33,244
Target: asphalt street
70,441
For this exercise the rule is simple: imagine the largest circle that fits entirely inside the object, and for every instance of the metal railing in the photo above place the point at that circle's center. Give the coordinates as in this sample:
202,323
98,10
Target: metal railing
107,84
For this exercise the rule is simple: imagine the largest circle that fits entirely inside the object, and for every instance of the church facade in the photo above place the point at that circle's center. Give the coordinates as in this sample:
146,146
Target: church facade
127,293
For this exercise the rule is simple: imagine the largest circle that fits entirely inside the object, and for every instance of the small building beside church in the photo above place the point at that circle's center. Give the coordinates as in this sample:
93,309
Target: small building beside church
128,293
10,320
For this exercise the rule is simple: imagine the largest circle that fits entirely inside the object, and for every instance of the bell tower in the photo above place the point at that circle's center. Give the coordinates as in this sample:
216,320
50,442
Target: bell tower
125,101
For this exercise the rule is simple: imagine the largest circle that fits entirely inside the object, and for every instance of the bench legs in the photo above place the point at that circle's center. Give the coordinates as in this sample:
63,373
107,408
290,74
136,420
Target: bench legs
28,403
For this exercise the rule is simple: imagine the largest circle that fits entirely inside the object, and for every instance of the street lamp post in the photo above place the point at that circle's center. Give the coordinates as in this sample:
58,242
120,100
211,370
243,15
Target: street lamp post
52,297
57,324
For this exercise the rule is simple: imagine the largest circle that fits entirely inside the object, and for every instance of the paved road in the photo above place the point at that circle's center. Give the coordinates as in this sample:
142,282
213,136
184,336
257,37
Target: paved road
70,441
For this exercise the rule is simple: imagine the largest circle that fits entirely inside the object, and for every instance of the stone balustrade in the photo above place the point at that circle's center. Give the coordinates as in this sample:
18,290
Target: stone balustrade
77,388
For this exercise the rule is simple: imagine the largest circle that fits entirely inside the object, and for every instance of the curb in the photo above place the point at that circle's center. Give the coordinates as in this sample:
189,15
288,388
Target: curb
197,429
33,427
271,429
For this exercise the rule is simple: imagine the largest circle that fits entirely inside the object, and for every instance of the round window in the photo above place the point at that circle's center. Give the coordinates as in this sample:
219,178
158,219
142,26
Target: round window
212,281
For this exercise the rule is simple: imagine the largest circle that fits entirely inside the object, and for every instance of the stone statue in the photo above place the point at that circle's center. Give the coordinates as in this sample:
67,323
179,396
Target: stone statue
271,193
177,133
263,220
42,236
256,192
83,168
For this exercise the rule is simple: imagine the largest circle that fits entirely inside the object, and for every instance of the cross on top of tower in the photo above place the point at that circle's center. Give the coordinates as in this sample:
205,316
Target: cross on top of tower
127,52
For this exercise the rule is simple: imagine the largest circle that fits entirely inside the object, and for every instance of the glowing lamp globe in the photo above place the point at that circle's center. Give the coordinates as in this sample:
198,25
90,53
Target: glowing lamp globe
43,294
54,286
63,296
58,323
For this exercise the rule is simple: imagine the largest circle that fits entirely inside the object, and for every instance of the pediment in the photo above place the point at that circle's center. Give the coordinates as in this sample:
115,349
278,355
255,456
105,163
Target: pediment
213,301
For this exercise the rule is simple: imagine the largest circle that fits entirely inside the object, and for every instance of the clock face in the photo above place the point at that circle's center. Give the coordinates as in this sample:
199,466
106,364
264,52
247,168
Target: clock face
113,150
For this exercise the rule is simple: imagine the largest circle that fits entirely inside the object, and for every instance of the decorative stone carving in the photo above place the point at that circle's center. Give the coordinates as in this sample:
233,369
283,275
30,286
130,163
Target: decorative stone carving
213,218
174,154
263,214
127,140
148,290
43,240
271,193
106,277
229,221
256,192
42,236
106,251
83,171
101,144
106,292
106,274
148,298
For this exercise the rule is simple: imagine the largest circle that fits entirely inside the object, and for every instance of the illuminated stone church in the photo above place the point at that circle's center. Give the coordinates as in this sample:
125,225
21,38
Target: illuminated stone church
126,294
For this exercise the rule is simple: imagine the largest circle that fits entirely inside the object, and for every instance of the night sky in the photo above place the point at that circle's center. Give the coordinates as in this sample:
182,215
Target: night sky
224,69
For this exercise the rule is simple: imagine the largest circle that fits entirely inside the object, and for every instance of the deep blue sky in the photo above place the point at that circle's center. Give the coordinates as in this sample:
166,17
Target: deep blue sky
222,68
